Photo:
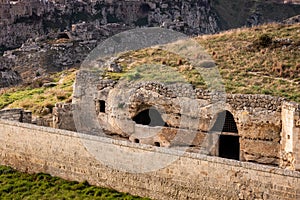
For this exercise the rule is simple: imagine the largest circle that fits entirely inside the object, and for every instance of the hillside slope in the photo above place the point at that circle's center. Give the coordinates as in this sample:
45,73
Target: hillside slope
191,17
263,59
259,60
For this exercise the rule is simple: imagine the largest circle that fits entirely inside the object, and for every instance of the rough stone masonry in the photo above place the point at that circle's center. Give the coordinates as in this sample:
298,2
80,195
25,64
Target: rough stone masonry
34,149
263,129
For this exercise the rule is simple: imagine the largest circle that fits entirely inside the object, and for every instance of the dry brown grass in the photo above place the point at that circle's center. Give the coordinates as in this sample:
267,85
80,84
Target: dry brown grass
248,62
42,98
247,66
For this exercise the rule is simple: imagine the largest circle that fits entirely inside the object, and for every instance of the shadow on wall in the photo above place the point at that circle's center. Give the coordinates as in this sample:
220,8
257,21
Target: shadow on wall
150,117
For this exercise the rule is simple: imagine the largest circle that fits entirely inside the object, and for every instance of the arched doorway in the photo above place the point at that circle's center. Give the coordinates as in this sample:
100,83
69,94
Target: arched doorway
225,123
229,145
149,117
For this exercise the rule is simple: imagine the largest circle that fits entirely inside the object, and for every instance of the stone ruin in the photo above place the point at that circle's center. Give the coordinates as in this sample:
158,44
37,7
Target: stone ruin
24,116
253,128
19,115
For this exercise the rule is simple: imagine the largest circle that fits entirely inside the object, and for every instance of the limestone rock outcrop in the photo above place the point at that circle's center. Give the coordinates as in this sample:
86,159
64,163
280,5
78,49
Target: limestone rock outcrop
190,17
53,52
8,77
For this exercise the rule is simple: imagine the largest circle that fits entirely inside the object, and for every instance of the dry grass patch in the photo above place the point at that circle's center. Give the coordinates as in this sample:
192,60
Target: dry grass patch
42,98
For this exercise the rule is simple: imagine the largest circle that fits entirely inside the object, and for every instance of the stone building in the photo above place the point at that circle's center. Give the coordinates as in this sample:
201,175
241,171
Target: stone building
253,128
12,10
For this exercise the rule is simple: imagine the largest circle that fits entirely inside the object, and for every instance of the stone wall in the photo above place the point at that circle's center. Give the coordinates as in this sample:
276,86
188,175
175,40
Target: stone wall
238,101
193,176
63,117
290,136
257,117
18,115
194,112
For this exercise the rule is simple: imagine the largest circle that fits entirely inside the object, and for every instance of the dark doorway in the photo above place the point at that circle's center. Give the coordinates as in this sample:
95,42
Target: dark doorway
225,123
63,36
229,147
150,117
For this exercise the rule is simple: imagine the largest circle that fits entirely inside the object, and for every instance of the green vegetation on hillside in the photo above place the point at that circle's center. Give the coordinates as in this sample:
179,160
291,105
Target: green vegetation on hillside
17,185
37,97
258,60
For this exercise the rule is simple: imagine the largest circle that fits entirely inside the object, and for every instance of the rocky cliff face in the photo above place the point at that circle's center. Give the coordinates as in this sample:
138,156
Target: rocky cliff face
190,17
54,52
238,13
8,77
49,50
14,35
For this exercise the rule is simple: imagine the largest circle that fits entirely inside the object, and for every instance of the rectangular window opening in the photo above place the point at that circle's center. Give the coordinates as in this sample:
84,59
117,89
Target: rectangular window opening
102,106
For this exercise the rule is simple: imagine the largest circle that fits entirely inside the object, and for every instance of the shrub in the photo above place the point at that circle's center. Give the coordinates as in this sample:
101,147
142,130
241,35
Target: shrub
265,40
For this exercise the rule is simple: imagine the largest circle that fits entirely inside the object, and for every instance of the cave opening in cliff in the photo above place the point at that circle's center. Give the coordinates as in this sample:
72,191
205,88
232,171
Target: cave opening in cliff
225,123
150,117
145,8
229,147
63,36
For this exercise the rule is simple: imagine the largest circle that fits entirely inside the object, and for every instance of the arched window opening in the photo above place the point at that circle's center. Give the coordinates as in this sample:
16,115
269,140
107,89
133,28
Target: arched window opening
136,140
157,144
149,117
225,123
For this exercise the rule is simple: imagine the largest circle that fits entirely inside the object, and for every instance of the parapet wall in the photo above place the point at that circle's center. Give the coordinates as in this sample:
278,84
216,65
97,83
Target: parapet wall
62,153
16,114
237,101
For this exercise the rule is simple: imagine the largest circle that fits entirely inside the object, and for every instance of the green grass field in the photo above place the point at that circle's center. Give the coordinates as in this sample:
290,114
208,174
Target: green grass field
17,185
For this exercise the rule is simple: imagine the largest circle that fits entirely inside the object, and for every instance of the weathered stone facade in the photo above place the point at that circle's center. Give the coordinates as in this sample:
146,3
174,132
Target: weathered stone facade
63,117
16,114
258,122
290,136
